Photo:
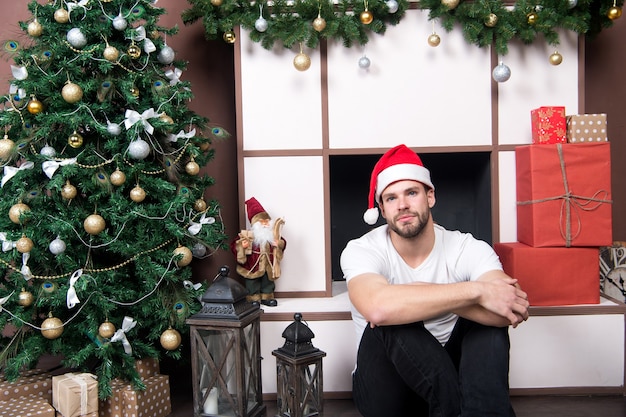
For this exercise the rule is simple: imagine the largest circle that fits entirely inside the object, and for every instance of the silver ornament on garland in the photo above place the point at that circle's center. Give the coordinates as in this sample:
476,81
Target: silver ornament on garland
166,55
501,73
57,246
572,3
114,128
139,149
392,5
198,250
120,23
364,62
261,24
48,151
76,38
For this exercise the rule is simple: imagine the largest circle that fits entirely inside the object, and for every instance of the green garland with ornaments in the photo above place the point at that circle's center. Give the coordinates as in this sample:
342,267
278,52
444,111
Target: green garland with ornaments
483,22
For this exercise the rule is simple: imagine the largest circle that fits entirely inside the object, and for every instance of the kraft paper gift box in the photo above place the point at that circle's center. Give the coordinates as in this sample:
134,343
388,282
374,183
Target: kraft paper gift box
564,195
154,401
548,125
147,367
75,394
585,128
553,276
29,405
31,382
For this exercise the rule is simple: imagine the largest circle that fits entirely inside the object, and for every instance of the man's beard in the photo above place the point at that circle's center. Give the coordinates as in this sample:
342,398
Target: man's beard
263,234
409,231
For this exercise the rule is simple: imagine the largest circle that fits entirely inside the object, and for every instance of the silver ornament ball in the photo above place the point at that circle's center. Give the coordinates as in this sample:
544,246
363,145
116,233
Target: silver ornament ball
501,73
198,250
364,62
119,23
57,246
114,128
261,24
76,38
166,55
48,151
572,3
392,5
139,149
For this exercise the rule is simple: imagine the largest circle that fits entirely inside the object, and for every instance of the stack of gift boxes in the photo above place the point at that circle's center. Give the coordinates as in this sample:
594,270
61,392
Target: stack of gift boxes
38,393
564,208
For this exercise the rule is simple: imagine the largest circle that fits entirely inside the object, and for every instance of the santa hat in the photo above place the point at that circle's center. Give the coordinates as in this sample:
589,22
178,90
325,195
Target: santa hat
256,211
399,163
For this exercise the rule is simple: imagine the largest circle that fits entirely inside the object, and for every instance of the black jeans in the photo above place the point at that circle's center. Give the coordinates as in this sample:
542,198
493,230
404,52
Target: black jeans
403,371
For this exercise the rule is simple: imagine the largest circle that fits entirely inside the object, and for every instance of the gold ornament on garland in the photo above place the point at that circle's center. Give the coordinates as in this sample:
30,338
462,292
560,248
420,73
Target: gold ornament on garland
111,53
34,106
75,140
16,211
366,17
24,244
134,51
6,148
216,3
117,177
531,18
26,298
106,329
450,4
229,37
192,167
491,20
137,194
614,12
319,23
94,224
68,191
34,28
434,39
170,339
556,58
72,93
200,205
61,16
134,91
301,61
52,327
187,256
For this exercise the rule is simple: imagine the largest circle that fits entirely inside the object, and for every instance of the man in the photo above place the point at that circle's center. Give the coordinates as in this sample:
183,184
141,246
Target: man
259,252
431,306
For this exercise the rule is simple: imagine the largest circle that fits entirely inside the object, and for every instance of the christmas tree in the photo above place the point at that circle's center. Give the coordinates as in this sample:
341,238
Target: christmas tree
102,203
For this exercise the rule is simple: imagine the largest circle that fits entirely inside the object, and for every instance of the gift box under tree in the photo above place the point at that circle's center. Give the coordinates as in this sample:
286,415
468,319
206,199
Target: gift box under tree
75,394
126,401
31,382
29,405
548,125
564,194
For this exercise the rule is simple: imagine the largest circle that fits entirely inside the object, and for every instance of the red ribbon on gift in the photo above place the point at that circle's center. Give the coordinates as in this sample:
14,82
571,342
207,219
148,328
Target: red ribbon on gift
571,202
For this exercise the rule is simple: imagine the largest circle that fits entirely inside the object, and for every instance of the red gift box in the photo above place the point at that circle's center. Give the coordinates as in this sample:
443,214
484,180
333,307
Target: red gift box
564,195
553,276
548,125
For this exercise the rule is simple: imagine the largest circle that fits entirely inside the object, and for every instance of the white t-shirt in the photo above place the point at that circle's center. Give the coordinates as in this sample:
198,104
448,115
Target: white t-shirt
456,257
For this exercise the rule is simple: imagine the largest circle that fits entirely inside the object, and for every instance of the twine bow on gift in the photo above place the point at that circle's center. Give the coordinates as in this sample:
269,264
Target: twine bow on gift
9,171
72,298
571,203
50,167
140,35
133,117
120,335
195,228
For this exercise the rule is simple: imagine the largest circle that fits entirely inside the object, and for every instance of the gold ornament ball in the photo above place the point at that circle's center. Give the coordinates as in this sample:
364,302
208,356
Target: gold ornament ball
137,194
165,118
24,244
491,20
229,37
450,4
170,339
68,191
34,106
556,58
75,140
302,62
531,18
434,40
117,177
111,53
72,93
366,17
205,146
6,148
94,224
15,212
216,3
25,298
319,24
192,168
106,330
614,13
61,16
52,328
134,51
134,91
34,28
199,205
187,256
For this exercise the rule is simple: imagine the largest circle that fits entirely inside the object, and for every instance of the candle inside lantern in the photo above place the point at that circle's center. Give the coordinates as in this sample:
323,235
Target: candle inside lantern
210,405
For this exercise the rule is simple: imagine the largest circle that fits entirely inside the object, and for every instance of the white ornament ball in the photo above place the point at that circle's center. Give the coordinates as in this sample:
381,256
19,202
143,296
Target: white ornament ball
76,38
198,250
572,3
57,246
261,24
114,128
119,23
364,62
501,73
139,149
166,55
48,151
392,5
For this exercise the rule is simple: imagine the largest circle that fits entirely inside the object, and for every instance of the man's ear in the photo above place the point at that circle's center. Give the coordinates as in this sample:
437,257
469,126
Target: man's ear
431,198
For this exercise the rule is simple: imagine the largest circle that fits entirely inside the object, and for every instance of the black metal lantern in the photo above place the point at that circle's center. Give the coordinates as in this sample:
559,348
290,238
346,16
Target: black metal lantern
299,372
225,349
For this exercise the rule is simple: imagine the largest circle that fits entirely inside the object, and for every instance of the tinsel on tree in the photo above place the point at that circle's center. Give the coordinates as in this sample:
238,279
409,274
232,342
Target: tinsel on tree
102,204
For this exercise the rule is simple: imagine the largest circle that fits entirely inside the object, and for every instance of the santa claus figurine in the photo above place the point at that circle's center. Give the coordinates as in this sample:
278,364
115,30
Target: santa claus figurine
259,252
